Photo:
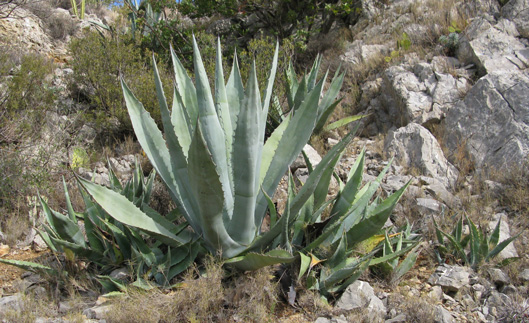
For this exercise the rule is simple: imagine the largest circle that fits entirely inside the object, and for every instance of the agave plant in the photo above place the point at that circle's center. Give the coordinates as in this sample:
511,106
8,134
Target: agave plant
481,247
109,244
297,91
221,173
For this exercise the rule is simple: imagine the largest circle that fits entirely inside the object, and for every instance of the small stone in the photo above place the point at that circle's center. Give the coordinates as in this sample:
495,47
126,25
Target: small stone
442,315
498,277
401,318
436,294
509,290
97,312
524,275
450,278
120,274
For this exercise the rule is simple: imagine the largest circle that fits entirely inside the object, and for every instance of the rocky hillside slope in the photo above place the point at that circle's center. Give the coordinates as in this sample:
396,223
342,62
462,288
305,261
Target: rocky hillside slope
445,88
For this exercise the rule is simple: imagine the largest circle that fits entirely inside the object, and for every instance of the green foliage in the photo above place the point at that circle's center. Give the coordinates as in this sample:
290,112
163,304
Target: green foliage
98,63
26,94
108,243
76,11
451,41
349,240
206,8
473,249
403,44
79,158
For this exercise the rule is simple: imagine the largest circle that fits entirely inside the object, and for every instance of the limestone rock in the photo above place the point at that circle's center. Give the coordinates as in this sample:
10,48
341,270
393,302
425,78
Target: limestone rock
311,153
414,146
361,295
518,12
492,122
490,48
450,278
423,93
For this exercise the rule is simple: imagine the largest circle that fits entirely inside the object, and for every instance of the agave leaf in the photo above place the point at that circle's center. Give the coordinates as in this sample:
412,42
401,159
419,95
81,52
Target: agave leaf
235,91
69,207
321,170
347,195
495,237
126,212
182,125
176,151
173,173
501,246
396,254
292,142
83,252
301,94
46,237
373,223
186,88
342,122
344,273
65,228
351,279
293,84
404,266
179,267
270,147
270,85
322,189
222,107
211,129
247,145
304,264
254,261
208,190
31,266
313,74
339,254
460,250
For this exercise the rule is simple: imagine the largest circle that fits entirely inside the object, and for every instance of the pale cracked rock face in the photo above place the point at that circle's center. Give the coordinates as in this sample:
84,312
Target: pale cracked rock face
492,122
414,146
450,278
25,28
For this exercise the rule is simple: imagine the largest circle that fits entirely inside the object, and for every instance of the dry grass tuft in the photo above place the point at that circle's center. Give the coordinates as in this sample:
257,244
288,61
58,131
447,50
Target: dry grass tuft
205,295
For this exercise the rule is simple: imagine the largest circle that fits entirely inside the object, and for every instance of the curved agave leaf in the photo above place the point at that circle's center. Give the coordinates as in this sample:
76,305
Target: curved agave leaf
124,211
208,190
246,147
254,261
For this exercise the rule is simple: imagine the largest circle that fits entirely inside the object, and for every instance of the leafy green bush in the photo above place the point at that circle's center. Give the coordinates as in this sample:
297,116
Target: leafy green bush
98,62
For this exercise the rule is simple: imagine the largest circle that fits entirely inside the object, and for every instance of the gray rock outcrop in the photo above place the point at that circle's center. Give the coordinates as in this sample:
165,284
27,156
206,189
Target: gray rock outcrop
492,47
492,122
414,146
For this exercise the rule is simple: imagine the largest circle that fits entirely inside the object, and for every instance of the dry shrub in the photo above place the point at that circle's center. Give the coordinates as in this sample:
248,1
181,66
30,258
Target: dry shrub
415,308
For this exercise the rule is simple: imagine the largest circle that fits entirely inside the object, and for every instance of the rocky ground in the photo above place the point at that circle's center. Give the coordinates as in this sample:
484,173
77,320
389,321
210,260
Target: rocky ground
456,122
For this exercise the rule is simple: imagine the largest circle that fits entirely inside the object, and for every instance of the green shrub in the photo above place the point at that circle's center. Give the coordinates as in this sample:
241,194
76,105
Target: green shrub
25,96
98,62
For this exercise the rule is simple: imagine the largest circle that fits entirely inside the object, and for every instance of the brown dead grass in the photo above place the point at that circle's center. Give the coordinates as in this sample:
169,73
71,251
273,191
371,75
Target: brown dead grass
205,295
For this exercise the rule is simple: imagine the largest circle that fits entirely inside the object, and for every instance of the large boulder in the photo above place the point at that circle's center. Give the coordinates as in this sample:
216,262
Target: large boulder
492,122
414,146
492,47
424,92
518,12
